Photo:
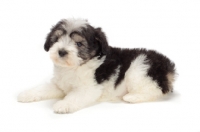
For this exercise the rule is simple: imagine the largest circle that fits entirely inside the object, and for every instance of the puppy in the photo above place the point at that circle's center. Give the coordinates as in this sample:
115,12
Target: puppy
87,70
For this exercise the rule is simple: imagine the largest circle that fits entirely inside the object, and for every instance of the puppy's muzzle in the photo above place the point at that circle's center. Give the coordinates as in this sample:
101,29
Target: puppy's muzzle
62,53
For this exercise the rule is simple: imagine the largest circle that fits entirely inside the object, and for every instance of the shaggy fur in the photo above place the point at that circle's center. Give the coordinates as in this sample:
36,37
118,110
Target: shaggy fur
87,70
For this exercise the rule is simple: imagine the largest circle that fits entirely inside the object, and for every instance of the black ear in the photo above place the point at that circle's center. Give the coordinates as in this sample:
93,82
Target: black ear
56,32
49,42
102,41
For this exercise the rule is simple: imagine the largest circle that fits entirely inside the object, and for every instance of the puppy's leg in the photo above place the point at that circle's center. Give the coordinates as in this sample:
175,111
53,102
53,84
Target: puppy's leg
142,92
43,92
140,87
78,99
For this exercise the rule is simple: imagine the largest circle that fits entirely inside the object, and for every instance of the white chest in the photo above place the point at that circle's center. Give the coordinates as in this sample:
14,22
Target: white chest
83,76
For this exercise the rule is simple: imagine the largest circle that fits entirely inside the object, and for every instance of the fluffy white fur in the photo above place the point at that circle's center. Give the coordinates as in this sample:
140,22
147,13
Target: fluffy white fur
75,83
79,89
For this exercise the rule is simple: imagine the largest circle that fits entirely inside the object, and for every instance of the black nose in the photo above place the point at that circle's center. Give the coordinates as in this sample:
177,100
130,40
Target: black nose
62,53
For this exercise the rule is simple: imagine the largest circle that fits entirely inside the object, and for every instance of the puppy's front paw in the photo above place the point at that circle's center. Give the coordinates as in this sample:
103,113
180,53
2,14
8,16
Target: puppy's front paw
28,96
64,106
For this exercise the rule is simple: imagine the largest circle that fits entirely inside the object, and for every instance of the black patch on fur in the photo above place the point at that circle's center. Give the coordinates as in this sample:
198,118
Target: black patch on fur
126,56
116,58
96,40
160,66
96,43
52,37
100,37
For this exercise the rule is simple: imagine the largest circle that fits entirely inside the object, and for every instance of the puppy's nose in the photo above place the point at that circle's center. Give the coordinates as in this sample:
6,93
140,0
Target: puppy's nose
62,53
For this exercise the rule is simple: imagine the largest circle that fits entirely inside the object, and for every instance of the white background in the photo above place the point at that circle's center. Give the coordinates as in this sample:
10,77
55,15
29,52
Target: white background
171,27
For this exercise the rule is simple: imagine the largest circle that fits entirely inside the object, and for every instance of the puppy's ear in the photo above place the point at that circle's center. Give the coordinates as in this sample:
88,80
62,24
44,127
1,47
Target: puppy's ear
102,41
49,41
56,32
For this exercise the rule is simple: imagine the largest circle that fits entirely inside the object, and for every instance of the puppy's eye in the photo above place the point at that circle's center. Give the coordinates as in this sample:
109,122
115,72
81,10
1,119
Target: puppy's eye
79,44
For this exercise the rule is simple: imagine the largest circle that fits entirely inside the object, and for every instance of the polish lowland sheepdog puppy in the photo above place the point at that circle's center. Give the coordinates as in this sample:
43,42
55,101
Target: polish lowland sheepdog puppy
87,70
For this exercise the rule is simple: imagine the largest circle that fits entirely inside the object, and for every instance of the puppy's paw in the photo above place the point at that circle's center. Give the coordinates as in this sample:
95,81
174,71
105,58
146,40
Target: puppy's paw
133,98
138,98
28,96
64,106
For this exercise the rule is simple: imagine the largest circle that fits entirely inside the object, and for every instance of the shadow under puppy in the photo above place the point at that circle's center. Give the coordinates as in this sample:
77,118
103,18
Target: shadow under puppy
87,70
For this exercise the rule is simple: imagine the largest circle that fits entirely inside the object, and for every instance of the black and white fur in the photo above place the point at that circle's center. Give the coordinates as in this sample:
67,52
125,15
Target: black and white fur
87,70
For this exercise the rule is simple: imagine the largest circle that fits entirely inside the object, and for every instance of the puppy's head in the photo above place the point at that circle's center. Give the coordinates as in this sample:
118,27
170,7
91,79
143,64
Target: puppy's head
73,42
